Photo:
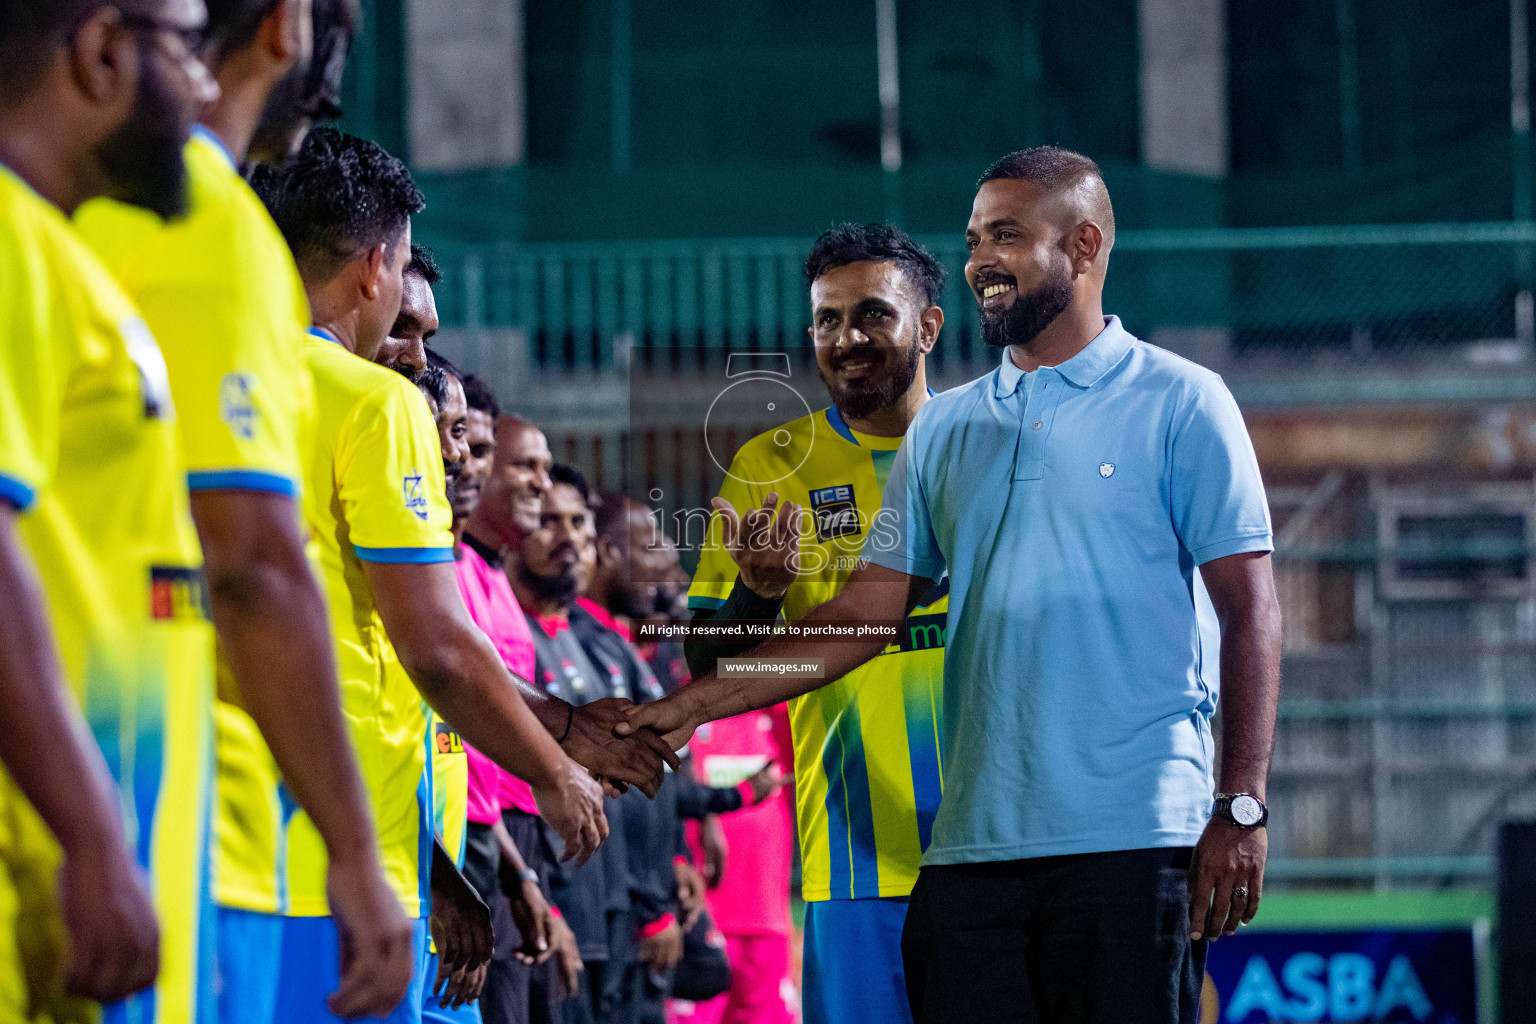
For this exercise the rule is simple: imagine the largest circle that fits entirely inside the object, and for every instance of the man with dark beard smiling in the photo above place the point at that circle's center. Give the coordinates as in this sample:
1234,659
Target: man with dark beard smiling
103,636
1080,857
864,817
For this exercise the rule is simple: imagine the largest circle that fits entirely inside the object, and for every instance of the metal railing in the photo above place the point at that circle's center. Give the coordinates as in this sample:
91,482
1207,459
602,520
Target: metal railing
1363,292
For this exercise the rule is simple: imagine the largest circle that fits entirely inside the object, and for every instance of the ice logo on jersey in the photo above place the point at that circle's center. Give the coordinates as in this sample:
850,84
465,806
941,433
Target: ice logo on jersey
836,511
154,380
415,500
237,403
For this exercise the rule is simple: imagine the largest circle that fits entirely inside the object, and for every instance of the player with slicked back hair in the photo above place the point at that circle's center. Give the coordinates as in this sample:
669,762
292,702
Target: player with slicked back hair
376,500
866,750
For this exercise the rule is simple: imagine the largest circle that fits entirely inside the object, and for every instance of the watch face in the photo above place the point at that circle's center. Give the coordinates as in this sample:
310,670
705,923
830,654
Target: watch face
1246,810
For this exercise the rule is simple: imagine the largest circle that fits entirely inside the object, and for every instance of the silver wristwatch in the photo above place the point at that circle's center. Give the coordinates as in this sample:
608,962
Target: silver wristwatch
1242,809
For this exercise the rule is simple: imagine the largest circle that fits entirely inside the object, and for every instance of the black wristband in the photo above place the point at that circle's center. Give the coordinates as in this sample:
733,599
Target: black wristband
747,603
569,718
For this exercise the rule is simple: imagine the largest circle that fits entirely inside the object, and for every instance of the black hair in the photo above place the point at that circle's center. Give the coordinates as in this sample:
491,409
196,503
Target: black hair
339,196
560,473
434,384
1057,170
479,396
445,364
423,265
233,23
610,517
30,31
876,243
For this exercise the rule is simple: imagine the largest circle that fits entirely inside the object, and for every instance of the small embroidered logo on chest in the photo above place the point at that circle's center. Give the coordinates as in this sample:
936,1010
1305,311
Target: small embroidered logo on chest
1106,470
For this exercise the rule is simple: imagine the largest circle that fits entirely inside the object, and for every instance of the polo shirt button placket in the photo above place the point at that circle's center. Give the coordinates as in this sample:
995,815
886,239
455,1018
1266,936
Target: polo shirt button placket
1029,460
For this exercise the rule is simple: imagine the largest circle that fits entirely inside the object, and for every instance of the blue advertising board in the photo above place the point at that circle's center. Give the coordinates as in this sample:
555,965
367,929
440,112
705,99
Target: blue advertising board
1390,976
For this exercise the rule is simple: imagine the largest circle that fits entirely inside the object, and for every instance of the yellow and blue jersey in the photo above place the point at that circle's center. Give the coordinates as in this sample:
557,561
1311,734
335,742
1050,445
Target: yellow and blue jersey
90,458
450,785
867,746
223,297
373,492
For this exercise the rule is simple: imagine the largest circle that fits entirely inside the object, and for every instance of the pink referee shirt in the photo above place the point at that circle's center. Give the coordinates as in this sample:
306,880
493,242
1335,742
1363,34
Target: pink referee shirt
753,898
495,610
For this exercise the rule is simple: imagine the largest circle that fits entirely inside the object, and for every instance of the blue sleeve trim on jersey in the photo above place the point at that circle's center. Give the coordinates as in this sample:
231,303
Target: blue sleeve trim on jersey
17,493
404,556
243,480
702,603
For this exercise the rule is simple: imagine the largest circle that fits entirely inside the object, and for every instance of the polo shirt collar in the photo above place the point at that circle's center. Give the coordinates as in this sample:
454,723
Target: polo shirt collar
324,335
1085,369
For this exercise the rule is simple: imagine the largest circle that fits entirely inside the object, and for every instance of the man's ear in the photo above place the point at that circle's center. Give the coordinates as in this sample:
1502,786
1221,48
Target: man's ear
375,264
931,321
1083,246
103,59
609,552
287,33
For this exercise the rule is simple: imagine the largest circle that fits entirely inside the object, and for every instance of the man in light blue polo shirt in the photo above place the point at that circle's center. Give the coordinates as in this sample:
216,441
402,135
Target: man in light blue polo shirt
1071,494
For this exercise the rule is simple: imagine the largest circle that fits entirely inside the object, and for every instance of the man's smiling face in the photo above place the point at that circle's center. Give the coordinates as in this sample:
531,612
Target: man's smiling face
1018,270
865,320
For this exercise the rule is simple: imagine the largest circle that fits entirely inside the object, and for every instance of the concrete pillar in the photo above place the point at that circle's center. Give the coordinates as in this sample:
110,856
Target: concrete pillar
466,90
1184,85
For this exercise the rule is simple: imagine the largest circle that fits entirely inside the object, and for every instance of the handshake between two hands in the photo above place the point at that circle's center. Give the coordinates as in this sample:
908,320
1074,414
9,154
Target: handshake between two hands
611,745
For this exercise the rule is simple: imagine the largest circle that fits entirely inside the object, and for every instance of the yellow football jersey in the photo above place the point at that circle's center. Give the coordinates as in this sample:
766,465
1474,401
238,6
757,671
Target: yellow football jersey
374,491
223,297
450,786
90,456
867,748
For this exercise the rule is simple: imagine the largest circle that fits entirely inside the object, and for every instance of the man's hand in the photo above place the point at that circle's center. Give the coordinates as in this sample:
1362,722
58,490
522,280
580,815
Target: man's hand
114,939
663,950
767,781
635,760
765,548
573,807
690,892
568,963
712,840
460,921
1226,858
670,720
377,956
456,987
534,921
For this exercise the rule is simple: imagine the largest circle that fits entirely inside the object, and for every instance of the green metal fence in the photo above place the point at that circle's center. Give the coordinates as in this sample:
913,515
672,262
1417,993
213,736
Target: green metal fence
1380,291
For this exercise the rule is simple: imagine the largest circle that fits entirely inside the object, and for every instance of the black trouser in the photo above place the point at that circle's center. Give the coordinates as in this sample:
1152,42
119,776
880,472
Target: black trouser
1097,938
515,992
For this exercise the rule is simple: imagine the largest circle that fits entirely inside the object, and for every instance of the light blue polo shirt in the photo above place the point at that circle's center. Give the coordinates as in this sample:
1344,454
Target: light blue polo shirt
1071,507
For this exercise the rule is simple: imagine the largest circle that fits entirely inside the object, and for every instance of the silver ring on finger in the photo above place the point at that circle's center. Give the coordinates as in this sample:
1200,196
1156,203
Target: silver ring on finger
1240,891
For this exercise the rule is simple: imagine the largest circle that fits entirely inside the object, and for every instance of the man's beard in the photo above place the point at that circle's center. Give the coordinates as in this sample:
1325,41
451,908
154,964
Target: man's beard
1030,313
557,590
143,158
284,121
451,476
859,400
